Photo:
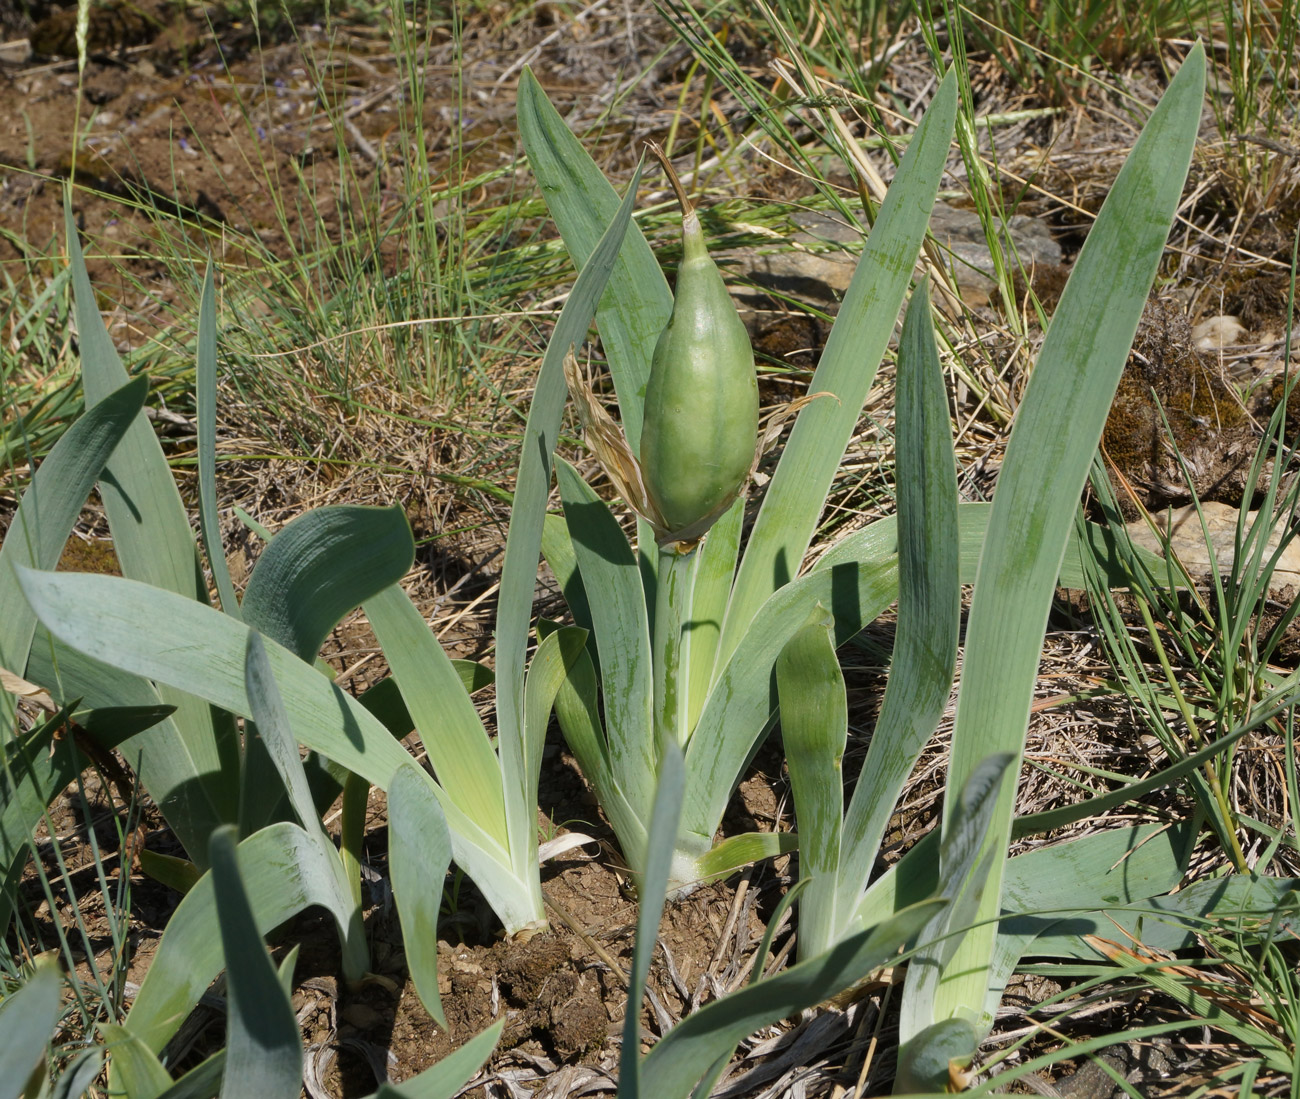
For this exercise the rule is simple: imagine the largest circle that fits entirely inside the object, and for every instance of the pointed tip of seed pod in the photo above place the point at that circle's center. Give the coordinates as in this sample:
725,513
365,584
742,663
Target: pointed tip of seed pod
688,207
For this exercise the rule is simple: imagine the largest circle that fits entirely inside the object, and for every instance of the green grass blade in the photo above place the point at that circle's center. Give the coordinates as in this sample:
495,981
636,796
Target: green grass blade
27,1021
444,715
322,565
622,635
793,501
205,386
929,600
49,509
528,517
284,871
419,852
814,732
1051,447
34,768
688,1050
263,1045
637,302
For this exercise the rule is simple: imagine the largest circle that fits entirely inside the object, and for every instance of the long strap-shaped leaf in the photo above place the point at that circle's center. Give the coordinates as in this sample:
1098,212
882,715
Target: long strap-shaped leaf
929,601
690,1048
205,376
609,570
637,303
284,871
46,515
51,505
154,543
263,1044
793,501
28,1018
444,714
520,752
741,703
1056,433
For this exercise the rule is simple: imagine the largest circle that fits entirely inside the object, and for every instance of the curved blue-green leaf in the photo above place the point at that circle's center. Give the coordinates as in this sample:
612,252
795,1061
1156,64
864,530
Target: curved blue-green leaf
263,1043
622,635
419,851
154,544
742,701
49,509
195,648
191,647
161,755
1058,425
203,1081
76,1079
653,888
577,708
964,865
133,1067
322,565
1248,902
532,489
450,1075
275,731
929,602
445,716
205,398
27,1020
285,871
814,733
556,655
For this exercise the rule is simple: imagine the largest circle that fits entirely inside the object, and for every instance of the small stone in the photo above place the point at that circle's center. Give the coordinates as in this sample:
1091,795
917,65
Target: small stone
1217,333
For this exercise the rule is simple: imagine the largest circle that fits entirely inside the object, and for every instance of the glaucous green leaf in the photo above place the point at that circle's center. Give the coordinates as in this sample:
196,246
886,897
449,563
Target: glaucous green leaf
637,302
320,566
27,1020
793,500
419,851
1048,455
263,1043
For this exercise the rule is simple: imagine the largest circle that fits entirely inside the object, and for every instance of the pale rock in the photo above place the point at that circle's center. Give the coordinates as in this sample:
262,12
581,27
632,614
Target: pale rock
1217,333
1188,541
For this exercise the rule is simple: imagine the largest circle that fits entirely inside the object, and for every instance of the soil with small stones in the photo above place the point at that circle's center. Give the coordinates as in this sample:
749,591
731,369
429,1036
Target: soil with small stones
184,114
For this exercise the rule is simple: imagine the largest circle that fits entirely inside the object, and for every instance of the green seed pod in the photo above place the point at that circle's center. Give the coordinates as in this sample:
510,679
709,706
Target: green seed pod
701,402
